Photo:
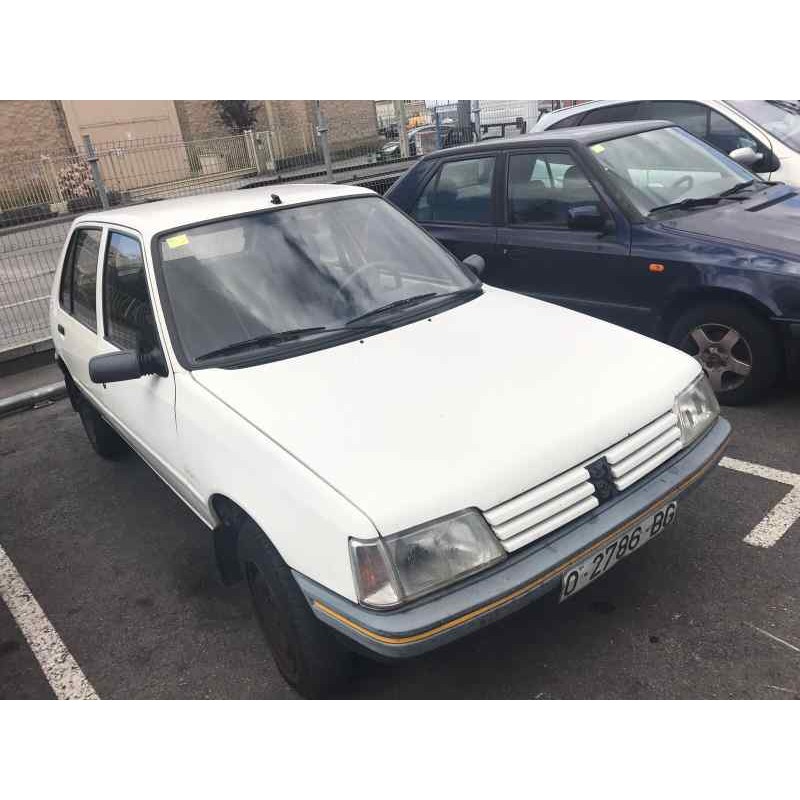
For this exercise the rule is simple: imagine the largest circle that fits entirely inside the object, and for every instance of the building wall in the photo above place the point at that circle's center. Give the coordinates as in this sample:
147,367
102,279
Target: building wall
29,128
200,119
120,120
351,123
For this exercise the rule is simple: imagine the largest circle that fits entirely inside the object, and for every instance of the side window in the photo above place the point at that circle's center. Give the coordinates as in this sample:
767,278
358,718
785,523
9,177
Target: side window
624,112
461,191
542,187
726,135
79,277
127,312
567,122
692,116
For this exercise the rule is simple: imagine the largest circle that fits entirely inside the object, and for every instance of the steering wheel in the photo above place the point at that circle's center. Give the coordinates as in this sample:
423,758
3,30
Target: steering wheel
687,179
370,266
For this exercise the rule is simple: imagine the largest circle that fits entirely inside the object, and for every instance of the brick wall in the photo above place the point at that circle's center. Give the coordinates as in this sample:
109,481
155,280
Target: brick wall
351,123
200,119
29,128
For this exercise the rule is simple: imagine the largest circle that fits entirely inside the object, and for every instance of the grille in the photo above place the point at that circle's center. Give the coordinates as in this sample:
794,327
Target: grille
545,508
550,505
642,452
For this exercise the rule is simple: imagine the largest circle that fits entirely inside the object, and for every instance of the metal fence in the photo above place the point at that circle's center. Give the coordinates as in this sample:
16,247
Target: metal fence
38,197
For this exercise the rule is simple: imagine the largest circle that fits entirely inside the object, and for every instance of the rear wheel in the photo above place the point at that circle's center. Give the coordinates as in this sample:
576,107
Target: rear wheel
305,651
739,352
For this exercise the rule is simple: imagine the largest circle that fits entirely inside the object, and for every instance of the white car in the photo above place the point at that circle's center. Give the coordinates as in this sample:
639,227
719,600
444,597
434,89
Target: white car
763,135
390,453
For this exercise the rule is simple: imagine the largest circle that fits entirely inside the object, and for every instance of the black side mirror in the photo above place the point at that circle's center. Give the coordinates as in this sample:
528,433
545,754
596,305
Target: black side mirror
476,263
586,218
126,365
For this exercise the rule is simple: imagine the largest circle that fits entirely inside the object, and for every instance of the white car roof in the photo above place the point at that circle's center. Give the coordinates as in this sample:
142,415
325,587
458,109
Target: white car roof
554,116
152,218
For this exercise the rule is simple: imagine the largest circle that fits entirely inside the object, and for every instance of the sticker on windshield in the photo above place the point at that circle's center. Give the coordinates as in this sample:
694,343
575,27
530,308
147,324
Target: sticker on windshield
597,148
177,241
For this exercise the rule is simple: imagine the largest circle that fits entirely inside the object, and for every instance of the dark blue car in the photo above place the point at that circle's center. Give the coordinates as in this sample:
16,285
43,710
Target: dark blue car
639,223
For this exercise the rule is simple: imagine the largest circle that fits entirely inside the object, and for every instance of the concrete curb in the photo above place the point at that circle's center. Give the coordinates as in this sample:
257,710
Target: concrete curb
24,400
22,350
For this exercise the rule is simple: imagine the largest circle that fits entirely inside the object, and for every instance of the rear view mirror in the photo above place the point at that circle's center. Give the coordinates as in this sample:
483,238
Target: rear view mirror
126,365
476,263
586,218
746,156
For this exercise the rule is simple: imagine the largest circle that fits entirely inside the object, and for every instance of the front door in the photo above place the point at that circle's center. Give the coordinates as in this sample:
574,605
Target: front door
143,410
541,254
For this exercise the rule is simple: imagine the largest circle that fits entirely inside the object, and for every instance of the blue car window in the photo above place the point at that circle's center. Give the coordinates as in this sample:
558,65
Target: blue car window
461,191
542,187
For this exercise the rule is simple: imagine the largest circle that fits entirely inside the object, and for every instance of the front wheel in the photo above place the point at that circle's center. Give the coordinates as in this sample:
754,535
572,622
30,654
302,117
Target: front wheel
305,651
103,438
739,352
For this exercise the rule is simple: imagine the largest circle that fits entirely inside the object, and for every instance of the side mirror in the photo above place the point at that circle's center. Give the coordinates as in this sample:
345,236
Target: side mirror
476,263
126,365
746,156
586,218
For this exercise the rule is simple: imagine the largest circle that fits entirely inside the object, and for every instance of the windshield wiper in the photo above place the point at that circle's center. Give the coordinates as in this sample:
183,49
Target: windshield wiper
406,301
413,300
278,338
689,202
711,200
737,187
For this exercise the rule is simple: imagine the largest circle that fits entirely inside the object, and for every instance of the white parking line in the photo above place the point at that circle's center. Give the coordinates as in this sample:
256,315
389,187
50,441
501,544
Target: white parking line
59,667
783,515
773,637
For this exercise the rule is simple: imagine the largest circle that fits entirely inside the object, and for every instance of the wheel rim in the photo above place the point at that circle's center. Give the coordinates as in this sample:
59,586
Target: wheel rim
722,352
269,619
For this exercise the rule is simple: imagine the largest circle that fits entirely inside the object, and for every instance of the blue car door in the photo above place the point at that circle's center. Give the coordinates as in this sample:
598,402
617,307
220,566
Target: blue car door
541,252
458,205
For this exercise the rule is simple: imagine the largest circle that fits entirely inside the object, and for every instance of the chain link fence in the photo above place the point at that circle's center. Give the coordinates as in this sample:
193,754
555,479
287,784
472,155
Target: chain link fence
39,197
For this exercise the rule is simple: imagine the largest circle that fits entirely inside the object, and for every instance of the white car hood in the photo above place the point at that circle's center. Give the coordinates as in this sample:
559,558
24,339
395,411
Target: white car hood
469,408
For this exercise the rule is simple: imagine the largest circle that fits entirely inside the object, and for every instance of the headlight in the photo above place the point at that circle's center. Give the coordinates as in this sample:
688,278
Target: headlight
393,570
697,408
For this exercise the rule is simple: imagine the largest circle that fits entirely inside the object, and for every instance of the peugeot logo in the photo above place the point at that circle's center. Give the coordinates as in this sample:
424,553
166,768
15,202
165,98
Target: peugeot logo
602,480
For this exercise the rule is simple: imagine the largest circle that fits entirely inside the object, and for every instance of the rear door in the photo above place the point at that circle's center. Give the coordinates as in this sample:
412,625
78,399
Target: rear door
457,205
76,330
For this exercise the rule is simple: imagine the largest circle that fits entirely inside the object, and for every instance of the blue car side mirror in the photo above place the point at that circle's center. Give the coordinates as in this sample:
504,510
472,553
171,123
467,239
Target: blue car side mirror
586,218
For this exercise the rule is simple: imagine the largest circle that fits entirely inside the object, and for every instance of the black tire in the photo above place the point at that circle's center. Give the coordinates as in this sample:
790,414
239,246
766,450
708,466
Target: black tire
105,441
702,332
307,654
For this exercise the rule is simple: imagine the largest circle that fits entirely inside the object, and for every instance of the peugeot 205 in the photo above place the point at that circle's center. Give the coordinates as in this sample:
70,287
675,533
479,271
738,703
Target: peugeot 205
390,453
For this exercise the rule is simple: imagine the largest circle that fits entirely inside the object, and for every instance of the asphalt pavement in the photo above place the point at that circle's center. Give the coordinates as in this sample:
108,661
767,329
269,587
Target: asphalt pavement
124,573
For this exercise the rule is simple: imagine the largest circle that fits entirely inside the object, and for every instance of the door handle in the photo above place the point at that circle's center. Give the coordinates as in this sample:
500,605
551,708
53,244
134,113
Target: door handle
61,329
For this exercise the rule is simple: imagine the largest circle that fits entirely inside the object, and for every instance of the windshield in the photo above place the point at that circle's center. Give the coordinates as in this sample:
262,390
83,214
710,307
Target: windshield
315,267
780,117
667,165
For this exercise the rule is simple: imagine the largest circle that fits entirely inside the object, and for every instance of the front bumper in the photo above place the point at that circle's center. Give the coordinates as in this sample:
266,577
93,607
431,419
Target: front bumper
522,577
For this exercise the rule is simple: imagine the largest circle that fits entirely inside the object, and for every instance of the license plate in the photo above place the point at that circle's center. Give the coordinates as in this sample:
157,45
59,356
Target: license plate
597,564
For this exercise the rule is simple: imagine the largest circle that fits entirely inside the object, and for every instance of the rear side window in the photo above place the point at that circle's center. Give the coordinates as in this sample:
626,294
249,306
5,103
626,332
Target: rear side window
624,112
461,191
127,311
568,122
691,116
79,278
